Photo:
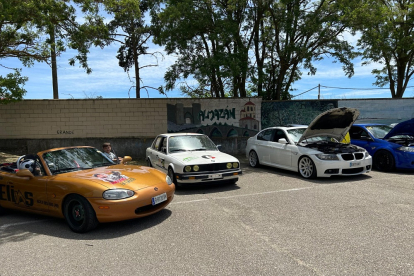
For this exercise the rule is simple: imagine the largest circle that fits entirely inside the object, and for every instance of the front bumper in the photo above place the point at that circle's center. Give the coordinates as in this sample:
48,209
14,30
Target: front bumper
137,206
355,167
207,176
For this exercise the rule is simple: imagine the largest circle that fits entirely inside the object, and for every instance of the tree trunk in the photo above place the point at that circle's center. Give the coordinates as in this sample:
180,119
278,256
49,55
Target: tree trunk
54,66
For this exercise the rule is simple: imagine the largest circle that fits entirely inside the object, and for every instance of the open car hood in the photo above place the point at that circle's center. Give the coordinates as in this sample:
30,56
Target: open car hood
333,123
403,128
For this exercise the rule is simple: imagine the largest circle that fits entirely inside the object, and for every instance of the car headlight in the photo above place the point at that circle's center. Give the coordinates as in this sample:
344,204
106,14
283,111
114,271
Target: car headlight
168,180
117,194
366,154
196,168
408,149
235,165
187,168
323,156
229,165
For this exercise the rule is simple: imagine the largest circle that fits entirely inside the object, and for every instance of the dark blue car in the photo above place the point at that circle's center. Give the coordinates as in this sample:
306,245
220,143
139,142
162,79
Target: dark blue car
391,148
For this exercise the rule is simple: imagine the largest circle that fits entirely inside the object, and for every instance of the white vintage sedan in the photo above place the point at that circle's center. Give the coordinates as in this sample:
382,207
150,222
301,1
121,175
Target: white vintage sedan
192,158
313,151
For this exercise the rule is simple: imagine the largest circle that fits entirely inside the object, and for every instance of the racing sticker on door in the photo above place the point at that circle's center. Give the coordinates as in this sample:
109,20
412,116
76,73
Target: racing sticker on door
9,193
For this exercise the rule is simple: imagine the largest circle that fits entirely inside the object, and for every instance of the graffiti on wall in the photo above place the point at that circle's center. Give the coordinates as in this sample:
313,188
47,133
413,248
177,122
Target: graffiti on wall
293,112
213,120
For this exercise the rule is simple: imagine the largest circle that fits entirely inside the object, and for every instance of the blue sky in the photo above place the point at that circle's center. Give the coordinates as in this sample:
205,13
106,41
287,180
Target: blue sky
110,81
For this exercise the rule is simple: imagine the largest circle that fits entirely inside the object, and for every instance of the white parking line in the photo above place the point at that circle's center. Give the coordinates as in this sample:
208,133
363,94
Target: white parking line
234,196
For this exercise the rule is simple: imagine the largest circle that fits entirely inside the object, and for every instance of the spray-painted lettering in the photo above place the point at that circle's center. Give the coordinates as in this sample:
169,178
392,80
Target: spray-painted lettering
217,114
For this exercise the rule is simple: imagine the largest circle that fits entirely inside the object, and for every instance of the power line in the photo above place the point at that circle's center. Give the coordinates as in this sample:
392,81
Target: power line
304,92
348,88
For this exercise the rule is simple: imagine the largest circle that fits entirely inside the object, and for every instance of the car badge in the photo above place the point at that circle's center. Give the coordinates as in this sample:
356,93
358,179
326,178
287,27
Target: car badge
155,189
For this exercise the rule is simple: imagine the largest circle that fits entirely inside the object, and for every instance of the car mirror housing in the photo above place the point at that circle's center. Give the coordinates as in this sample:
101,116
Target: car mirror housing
282,141
24,173
126,159
219,147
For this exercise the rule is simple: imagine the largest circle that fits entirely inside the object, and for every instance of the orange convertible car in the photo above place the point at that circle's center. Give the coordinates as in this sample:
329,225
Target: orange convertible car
83,186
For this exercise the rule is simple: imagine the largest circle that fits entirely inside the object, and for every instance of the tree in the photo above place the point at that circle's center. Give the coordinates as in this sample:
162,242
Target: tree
387,38
129,20
212,40
294,34
39,30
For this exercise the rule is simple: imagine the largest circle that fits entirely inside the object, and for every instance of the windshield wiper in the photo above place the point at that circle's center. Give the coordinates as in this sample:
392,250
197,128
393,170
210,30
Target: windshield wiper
178,150
71,169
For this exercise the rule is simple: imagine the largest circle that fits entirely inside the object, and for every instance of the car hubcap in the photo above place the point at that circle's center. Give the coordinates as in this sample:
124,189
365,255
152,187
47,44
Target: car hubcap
306,167
253,159
78,212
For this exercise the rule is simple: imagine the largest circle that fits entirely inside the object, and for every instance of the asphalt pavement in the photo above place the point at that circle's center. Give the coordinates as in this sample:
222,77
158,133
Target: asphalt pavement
272,222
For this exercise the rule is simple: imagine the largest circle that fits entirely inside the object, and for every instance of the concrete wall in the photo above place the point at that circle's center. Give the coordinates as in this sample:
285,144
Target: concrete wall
131,124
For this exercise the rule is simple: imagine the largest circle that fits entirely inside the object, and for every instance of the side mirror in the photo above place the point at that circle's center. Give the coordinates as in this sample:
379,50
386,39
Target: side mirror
126,159
366,138
24,173
219,147
282,141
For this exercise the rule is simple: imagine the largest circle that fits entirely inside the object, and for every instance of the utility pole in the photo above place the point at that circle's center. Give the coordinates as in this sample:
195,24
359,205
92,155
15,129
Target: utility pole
319,91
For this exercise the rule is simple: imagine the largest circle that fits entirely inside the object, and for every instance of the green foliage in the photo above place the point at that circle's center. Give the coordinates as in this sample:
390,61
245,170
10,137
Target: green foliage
387,38
35,30
214,41
11,87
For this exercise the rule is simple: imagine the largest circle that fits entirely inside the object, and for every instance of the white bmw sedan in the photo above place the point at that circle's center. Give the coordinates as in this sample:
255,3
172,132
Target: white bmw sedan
192,158
313,151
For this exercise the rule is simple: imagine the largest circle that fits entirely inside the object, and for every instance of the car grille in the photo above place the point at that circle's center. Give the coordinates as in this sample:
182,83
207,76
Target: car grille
353,156
213,167
352,171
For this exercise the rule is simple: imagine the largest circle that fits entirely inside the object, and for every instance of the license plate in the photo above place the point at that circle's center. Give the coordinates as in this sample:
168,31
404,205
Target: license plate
159,198
354,164
216,175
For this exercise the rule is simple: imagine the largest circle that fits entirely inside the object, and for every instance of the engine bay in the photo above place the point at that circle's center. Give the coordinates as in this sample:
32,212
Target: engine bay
329,147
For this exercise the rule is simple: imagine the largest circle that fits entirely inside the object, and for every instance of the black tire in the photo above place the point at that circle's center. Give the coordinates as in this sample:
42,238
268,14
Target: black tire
306,167
171,174
149,162
2,211
79,214
253,159
384,161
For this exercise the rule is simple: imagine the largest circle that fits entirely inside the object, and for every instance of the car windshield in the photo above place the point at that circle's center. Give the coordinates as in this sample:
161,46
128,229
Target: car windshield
190,143
75,159
380,131
295,134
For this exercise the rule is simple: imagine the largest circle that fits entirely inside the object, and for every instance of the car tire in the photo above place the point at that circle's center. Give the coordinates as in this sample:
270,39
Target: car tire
384,161
253,159
149,162
171,174
2,211
306,167
79,214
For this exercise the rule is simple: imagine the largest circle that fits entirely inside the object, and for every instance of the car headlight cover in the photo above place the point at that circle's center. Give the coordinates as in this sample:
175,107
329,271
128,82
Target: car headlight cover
168,180
117,194
408,149
323,156
196,168
187,168
229,165
235,165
